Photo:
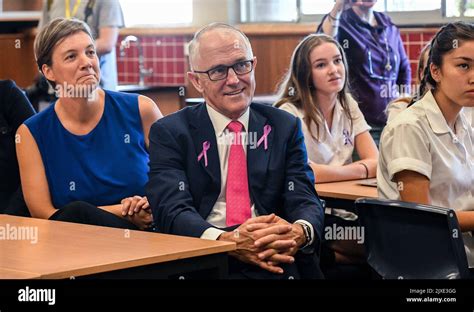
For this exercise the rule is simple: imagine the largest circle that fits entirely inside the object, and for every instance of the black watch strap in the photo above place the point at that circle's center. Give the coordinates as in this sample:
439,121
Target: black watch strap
307,234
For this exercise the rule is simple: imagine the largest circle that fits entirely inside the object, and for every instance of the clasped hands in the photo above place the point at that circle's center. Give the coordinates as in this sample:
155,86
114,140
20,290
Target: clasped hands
266,241
136,209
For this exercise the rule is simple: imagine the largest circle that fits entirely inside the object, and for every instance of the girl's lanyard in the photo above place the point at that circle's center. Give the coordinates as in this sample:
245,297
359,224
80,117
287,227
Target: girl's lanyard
74,10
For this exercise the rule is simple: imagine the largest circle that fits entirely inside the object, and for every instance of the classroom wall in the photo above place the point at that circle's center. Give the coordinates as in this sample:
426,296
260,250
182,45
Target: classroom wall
20,5
164,48
273,44
208,11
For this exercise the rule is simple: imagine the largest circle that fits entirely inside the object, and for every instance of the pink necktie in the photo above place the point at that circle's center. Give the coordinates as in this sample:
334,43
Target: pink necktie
237,188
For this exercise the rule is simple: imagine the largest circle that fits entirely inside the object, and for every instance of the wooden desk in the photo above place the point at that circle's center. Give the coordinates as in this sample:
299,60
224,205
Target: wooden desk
65,250
12,274
346,190
343,194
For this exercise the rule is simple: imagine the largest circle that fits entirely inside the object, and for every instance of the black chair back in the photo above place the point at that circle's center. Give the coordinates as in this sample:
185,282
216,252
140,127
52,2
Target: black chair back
411,241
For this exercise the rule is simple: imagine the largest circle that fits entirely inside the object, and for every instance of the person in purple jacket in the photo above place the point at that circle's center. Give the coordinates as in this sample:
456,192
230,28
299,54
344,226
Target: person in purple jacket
378,65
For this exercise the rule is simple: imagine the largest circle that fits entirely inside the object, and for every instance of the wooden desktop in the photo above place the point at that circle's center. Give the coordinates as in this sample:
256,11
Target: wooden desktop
343,194
65,250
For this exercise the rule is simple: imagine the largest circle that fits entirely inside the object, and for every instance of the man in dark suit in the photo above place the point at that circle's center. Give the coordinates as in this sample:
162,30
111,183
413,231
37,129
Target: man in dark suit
234,171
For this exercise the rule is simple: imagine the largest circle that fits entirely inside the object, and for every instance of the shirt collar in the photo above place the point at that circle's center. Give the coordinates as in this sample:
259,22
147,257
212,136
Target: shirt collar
436,118
220,122
337,123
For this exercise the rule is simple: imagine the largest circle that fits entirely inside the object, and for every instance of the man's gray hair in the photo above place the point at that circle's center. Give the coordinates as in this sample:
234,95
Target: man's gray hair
194,44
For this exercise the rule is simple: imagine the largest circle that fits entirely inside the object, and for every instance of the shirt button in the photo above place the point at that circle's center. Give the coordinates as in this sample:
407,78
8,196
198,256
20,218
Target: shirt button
455,140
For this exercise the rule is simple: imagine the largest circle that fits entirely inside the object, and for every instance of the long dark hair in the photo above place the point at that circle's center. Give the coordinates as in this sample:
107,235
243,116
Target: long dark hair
446,39
298,88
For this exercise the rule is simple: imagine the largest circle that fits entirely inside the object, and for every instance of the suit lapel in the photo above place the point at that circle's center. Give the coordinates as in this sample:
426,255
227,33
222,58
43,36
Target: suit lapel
257,157
202,131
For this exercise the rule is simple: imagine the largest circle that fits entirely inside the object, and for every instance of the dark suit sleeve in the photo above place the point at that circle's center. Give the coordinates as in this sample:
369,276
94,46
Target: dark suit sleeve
300,198
168,189
16,106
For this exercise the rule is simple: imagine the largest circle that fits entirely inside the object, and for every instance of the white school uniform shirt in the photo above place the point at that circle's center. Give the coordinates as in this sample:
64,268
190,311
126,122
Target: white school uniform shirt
217,216
396,107
469,113
336,145
420,140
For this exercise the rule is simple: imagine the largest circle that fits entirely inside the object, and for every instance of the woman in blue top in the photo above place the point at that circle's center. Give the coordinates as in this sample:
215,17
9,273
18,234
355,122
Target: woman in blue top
88,150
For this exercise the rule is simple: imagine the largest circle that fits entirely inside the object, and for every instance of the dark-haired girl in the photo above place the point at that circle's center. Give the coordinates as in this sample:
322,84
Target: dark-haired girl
427,152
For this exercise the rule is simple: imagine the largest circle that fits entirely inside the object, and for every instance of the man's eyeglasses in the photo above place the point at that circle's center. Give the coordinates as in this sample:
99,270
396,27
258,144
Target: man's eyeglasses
221,72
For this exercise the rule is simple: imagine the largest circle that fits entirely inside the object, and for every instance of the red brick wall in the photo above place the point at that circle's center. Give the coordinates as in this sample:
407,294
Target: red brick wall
413,42
165,55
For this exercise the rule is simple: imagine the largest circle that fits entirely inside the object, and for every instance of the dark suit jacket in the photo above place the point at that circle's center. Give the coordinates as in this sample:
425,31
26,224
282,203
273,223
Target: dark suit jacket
182,190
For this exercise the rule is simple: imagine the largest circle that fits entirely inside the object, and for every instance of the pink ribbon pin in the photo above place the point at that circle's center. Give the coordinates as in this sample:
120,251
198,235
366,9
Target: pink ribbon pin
266,131
205,147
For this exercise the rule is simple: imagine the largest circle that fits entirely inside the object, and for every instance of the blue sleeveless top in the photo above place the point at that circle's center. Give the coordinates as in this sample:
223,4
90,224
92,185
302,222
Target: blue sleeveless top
102,167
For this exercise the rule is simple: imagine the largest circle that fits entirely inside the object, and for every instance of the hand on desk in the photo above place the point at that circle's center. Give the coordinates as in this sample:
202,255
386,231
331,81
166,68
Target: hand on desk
131,205
265,241
137,210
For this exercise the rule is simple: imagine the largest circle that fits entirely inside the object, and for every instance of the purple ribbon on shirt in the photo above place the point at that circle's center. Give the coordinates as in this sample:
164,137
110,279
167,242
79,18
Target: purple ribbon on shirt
266,131
205,147
347,137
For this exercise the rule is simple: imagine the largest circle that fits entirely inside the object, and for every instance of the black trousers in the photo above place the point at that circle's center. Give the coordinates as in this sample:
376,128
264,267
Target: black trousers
85,213
337,271
306,266
15,204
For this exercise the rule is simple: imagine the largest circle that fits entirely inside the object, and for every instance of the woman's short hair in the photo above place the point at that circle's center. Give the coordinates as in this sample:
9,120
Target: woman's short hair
52,34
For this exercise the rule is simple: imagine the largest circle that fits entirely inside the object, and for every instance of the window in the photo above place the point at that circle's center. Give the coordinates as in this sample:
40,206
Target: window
157,12
410,5
268,11
457,8
324,6
402,12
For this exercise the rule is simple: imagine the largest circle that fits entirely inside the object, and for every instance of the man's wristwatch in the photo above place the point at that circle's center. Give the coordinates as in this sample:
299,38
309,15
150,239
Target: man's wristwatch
307,234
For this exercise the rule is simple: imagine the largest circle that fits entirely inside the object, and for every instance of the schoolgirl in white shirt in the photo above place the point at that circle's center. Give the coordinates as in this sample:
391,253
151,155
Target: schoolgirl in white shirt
315,90
427,152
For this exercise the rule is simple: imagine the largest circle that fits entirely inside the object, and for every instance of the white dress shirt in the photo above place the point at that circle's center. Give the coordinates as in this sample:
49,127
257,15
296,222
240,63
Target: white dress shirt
469,113
336,145
396,107
420,140
217,216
